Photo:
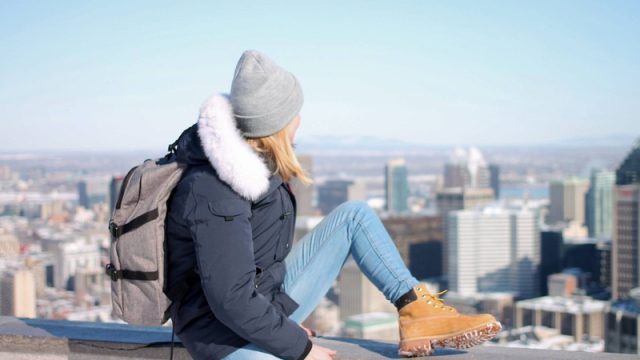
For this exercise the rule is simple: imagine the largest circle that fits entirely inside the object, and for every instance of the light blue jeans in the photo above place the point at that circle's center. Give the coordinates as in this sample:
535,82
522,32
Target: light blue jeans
313,264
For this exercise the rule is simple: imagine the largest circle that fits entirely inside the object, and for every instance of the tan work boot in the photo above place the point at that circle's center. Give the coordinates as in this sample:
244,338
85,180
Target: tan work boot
427,323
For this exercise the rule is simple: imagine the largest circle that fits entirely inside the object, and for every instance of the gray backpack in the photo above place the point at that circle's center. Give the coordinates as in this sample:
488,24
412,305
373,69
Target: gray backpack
137,265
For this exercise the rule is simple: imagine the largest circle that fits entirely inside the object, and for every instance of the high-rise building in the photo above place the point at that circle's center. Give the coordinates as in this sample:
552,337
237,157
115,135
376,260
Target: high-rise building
467,169
568,203
626,223
600,203
334,192
18,293
418,239
93,190
626,270
550,256
589,257
358,295
494,175
305,193
629,171
592,257
454,199
83,194
494,250
396,186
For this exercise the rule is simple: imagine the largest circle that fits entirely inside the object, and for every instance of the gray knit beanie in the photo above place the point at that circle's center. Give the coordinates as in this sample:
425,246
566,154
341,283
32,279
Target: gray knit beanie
264,96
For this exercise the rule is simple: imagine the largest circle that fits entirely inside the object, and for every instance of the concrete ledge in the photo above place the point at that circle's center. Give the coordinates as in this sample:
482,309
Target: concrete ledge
58,339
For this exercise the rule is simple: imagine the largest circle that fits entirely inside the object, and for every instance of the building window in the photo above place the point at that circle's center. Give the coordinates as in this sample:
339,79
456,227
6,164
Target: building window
611,321
567,324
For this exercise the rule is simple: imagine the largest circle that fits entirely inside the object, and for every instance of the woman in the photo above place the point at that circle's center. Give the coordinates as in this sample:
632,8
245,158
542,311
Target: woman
232,218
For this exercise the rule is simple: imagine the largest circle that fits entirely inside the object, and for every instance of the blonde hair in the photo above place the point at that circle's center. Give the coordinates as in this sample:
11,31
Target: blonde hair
278,149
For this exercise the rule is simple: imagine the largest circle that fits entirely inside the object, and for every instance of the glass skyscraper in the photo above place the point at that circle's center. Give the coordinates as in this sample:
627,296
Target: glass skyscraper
599,214
626,231
396,185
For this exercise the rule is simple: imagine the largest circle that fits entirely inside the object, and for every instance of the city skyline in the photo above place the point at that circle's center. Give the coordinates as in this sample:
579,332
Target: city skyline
496,143
97,76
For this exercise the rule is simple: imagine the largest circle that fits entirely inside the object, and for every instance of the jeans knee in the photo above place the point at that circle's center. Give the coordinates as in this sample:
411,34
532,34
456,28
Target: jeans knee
356,207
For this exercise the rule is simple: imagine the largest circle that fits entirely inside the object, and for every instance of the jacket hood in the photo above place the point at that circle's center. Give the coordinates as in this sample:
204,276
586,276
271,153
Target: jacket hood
216,139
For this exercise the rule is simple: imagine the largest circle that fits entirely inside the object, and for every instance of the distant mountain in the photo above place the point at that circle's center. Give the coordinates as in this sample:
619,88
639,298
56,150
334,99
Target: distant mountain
352,142
380,144
603,140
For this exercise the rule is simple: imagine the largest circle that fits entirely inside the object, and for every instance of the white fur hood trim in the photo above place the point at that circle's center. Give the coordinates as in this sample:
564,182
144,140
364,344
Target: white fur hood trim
236,163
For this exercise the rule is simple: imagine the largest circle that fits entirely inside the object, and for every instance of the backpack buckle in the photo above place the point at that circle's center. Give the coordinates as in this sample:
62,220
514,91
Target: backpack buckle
112,272
114,229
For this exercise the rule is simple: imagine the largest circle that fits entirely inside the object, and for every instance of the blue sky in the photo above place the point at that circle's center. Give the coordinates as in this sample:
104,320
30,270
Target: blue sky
131,75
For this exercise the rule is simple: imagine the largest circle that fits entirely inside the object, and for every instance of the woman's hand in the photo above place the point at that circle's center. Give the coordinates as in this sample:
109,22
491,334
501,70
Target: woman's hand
309,331
320,353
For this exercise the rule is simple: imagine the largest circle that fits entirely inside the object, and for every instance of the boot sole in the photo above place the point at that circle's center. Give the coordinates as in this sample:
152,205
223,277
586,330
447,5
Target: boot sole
425,346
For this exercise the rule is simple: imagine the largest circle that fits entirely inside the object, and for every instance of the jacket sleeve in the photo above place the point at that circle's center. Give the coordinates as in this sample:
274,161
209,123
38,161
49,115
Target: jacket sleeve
223,241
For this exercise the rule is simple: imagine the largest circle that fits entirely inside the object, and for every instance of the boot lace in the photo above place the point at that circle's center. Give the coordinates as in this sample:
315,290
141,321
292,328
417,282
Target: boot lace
435,300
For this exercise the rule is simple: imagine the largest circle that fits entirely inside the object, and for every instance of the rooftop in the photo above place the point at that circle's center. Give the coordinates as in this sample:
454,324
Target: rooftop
60,339
575,304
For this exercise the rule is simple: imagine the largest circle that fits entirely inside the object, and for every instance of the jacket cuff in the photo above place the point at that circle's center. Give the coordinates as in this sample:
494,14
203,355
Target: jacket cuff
307,350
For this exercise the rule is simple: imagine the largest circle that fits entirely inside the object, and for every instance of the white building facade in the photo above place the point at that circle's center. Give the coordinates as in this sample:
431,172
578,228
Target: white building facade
494,250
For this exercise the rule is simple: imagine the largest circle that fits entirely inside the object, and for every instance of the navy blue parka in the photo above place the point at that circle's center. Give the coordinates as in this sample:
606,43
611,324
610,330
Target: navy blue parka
238,246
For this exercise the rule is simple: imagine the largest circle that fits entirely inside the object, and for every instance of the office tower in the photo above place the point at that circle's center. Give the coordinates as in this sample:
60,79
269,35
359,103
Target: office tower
600,203
418,239
585,255
625,240
17,293
114,191
626,225
358,295
494,249
494,176
568,204
83,195
551,245
629,171
467,169
305,193
396,185
604,255
453,199
334,192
